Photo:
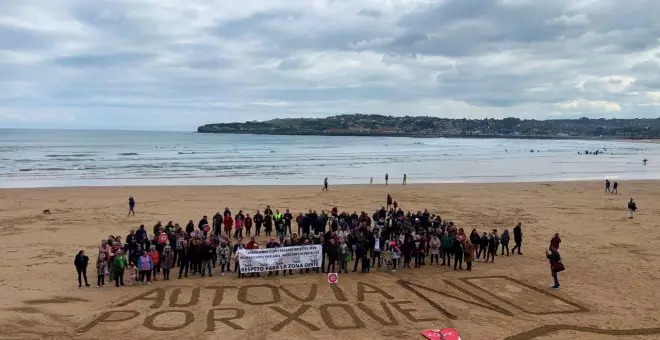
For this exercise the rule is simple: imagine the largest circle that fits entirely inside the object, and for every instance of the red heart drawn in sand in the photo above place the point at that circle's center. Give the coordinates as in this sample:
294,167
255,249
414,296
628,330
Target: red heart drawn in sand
441,334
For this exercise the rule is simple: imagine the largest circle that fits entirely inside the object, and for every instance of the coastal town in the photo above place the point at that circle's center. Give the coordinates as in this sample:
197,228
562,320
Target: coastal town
422,126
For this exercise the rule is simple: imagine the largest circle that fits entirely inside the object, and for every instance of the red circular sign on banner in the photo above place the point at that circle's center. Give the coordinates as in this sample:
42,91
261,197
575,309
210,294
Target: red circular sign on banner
206,228
162,238
333,277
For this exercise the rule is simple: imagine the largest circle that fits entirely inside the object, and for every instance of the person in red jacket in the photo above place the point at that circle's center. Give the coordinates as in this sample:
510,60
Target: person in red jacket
228,222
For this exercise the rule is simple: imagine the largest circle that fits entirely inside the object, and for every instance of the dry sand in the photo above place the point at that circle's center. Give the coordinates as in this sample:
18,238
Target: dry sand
611,281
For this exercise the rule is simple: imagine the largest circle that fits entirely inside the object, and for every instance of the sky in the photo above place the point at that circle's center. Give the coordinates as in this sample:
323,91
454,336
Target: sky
178,64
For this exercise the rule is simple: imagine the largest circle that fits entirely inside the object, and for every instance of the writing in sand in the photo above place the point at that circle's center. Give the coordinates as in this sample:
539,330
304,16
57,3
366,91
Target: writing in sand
176,308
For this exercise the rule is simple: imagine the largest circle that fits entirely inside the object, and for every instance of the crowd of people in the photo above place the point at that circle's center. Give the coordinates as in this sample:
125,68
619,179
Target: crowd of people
389,237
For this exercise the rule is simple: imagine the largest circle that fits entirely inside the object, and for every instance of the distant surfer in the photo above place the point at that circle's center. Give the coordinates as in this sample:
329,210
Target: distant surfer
131,206
405,179
387,178
325,184
645,161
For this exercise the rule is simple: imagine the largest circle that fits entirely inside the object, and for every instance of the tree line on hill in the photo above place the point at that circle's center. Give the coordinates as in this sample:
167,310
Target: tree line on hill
380,125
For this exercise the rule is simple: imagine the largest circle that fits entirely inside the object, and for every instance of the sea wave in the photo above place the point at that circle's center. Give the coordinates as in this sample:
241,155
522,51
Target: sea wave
129,154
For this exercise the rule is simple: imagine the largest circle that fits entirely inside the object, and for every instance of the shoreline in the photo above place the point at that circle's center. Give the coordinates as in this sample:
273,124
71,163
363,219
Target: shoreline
394,187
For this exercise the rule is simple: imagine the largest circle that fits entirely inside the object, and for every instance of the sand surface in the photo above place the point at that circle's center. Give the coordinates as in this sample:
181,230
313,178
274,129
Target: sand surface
611,281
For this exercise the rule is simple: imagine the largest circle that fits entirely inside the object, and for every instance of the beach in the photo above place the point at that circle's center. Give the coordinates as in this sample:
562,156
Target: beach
610,281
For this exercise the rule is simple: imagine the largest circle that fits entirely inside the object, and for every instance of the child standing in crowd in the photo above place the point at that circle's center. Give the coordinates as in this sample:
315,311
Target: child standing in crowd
101,267
132,274
469,253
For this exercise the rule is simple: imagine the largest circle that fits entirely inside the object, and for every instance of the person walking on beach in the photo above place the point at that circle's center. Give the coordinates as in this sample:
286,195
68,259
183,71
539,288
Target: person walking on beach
81,261
131,205
615,188
325,184
517,238
632,207
387,178
607,185
556,265
405,179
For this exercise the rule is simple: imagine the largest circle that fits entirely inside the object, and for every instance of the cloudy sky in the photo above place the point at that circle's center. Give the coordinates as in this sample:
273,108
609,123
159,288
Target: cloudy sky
177,64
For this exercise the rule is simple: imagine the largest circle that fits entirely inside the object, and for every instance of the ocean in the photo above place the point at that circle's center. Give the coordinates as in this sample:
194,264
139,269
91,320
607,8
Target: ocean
58,158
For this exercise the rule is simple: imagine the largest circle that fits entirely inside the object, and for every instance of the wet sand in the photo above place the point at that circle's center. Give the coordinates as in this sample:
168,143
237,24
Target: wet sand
611,281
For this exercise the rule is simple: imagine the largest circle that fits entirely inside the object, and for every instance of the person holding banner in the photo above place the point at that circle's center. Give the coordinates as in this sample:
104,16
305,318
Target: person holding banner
273,244
287,243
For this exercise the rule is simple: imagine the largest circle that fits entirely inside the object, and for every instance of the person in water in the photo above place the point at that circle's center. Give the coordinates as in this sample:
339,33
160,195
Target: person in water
644,161
131,206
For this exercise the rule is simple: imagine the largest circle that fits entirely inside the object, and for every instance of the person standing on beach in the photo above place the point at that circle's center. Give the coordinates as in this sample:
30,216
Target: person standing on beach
405,179
632,207
81,261
387,178
288,217
258,221
389,202
325,184
615,188
517,238
371,180
607,185
555,265
131,205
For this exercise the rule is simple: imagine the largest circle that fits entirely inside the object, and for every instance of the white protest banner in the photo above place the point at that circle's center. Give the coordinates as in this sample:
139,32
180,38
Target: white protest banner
265,260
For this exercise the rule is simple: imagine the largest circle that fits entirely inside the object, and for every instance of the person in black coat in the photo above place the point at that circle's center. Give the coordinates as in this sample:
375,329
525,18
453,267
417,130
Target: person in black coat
517,238
258,222
81,261
332,250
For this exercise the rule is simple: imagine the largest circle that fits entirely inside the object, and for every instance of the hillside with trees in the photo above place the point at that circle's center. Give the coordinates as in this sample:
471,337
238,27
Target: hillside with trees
379,125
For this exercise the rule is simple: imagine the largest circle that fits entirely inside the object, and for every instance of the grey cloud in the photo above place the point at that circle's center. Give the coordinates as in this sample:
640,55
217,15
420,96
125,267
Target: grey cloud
22,39
370,13
104,60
